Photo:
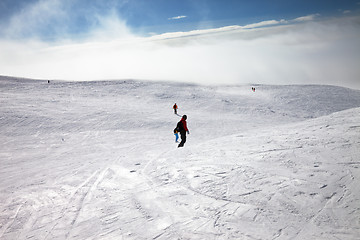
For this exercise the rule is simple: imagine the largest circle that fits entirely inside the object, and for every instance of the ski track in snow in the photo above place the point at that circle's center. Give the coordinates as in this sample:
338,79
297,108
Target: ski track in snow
97,160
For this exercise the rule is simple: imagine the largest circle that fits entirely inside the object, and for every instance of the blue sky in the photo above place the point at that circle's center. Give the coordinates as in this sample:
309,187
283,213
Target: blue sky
75,18
197,41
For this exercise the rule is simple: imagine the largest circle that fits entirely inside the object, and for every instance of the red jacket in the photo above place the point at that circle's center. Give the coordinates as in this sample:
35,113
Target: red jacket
184,124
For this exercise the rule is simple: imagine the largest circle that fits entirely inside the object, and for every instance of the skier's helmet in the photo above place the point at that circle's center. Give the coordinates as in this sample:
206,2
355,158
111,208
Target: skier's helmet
184,117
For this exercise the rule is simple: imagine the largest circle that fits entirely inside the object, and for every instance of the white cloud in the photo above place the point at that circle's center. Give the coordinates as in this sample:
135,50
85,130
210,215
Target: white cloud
270,52
177,17
265,23
220,30
311,17
52,20
109,27
31,19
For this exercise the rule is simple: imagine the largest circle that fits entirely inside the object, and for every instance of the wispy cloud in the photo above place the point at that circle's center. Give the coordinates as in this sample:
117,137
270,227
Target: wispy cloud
177,17
226,29
31,20
51,20
311,17
109,27
265,23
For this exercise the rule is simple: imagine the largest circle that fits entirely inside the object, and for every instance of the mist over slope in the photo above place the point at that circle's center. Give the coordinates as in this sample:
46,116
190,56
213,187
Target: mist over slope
133,104
97,160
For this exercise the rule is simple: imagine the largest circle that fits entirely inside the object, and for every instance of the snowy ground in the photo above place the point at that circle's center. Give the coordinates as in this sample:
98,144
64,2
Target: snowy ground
97,160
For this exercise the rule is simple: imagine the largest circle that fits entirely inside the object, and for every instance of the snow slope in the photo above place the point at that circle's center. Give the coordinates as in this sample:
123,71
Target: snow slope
97,160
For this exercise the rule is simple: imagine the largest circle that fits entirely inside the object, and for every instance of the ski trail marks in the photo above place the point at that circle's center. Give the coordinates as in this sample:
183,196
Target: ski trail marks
82,194
11,221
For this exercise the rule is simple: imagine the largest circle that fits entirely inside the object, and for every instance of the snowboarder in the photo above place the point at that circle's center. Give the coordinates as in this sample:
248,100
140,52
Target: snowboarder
175,107
182,128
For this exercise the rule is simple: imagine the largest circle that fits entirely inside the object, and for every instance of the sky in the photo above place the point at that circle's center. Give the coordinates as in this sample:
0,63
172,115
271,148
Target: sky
197,41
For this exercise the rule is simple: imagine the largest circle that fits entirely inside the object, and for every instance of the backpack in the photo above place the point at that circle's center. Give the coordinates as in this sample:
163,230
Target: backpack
179,127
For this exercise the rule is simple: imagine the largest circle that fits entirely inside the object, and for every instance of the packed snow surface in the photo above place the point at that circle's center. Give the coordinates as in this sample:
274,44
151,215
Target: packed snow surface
98,160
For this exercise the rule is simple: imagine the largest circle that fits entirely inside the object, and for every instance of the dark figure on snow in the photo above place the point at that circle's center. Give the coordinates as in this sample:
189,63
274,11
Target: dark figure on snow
182,128
175,107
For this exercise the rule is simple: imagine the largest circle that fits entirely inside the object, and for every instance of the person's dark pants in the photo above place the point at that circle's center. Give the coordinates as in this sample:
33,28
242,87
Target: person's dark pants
183,138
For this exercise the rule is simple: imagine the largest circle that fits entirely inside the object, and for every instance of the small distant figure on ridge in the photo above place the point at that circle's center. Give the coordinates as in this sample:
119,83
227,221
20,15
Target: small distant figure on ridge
182,128
253,89
175,107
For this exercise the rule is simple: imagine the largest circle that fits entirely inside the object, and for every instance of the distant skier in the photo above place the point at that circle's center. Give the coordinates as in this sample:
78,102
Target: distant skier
182,128
253,89
175,107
